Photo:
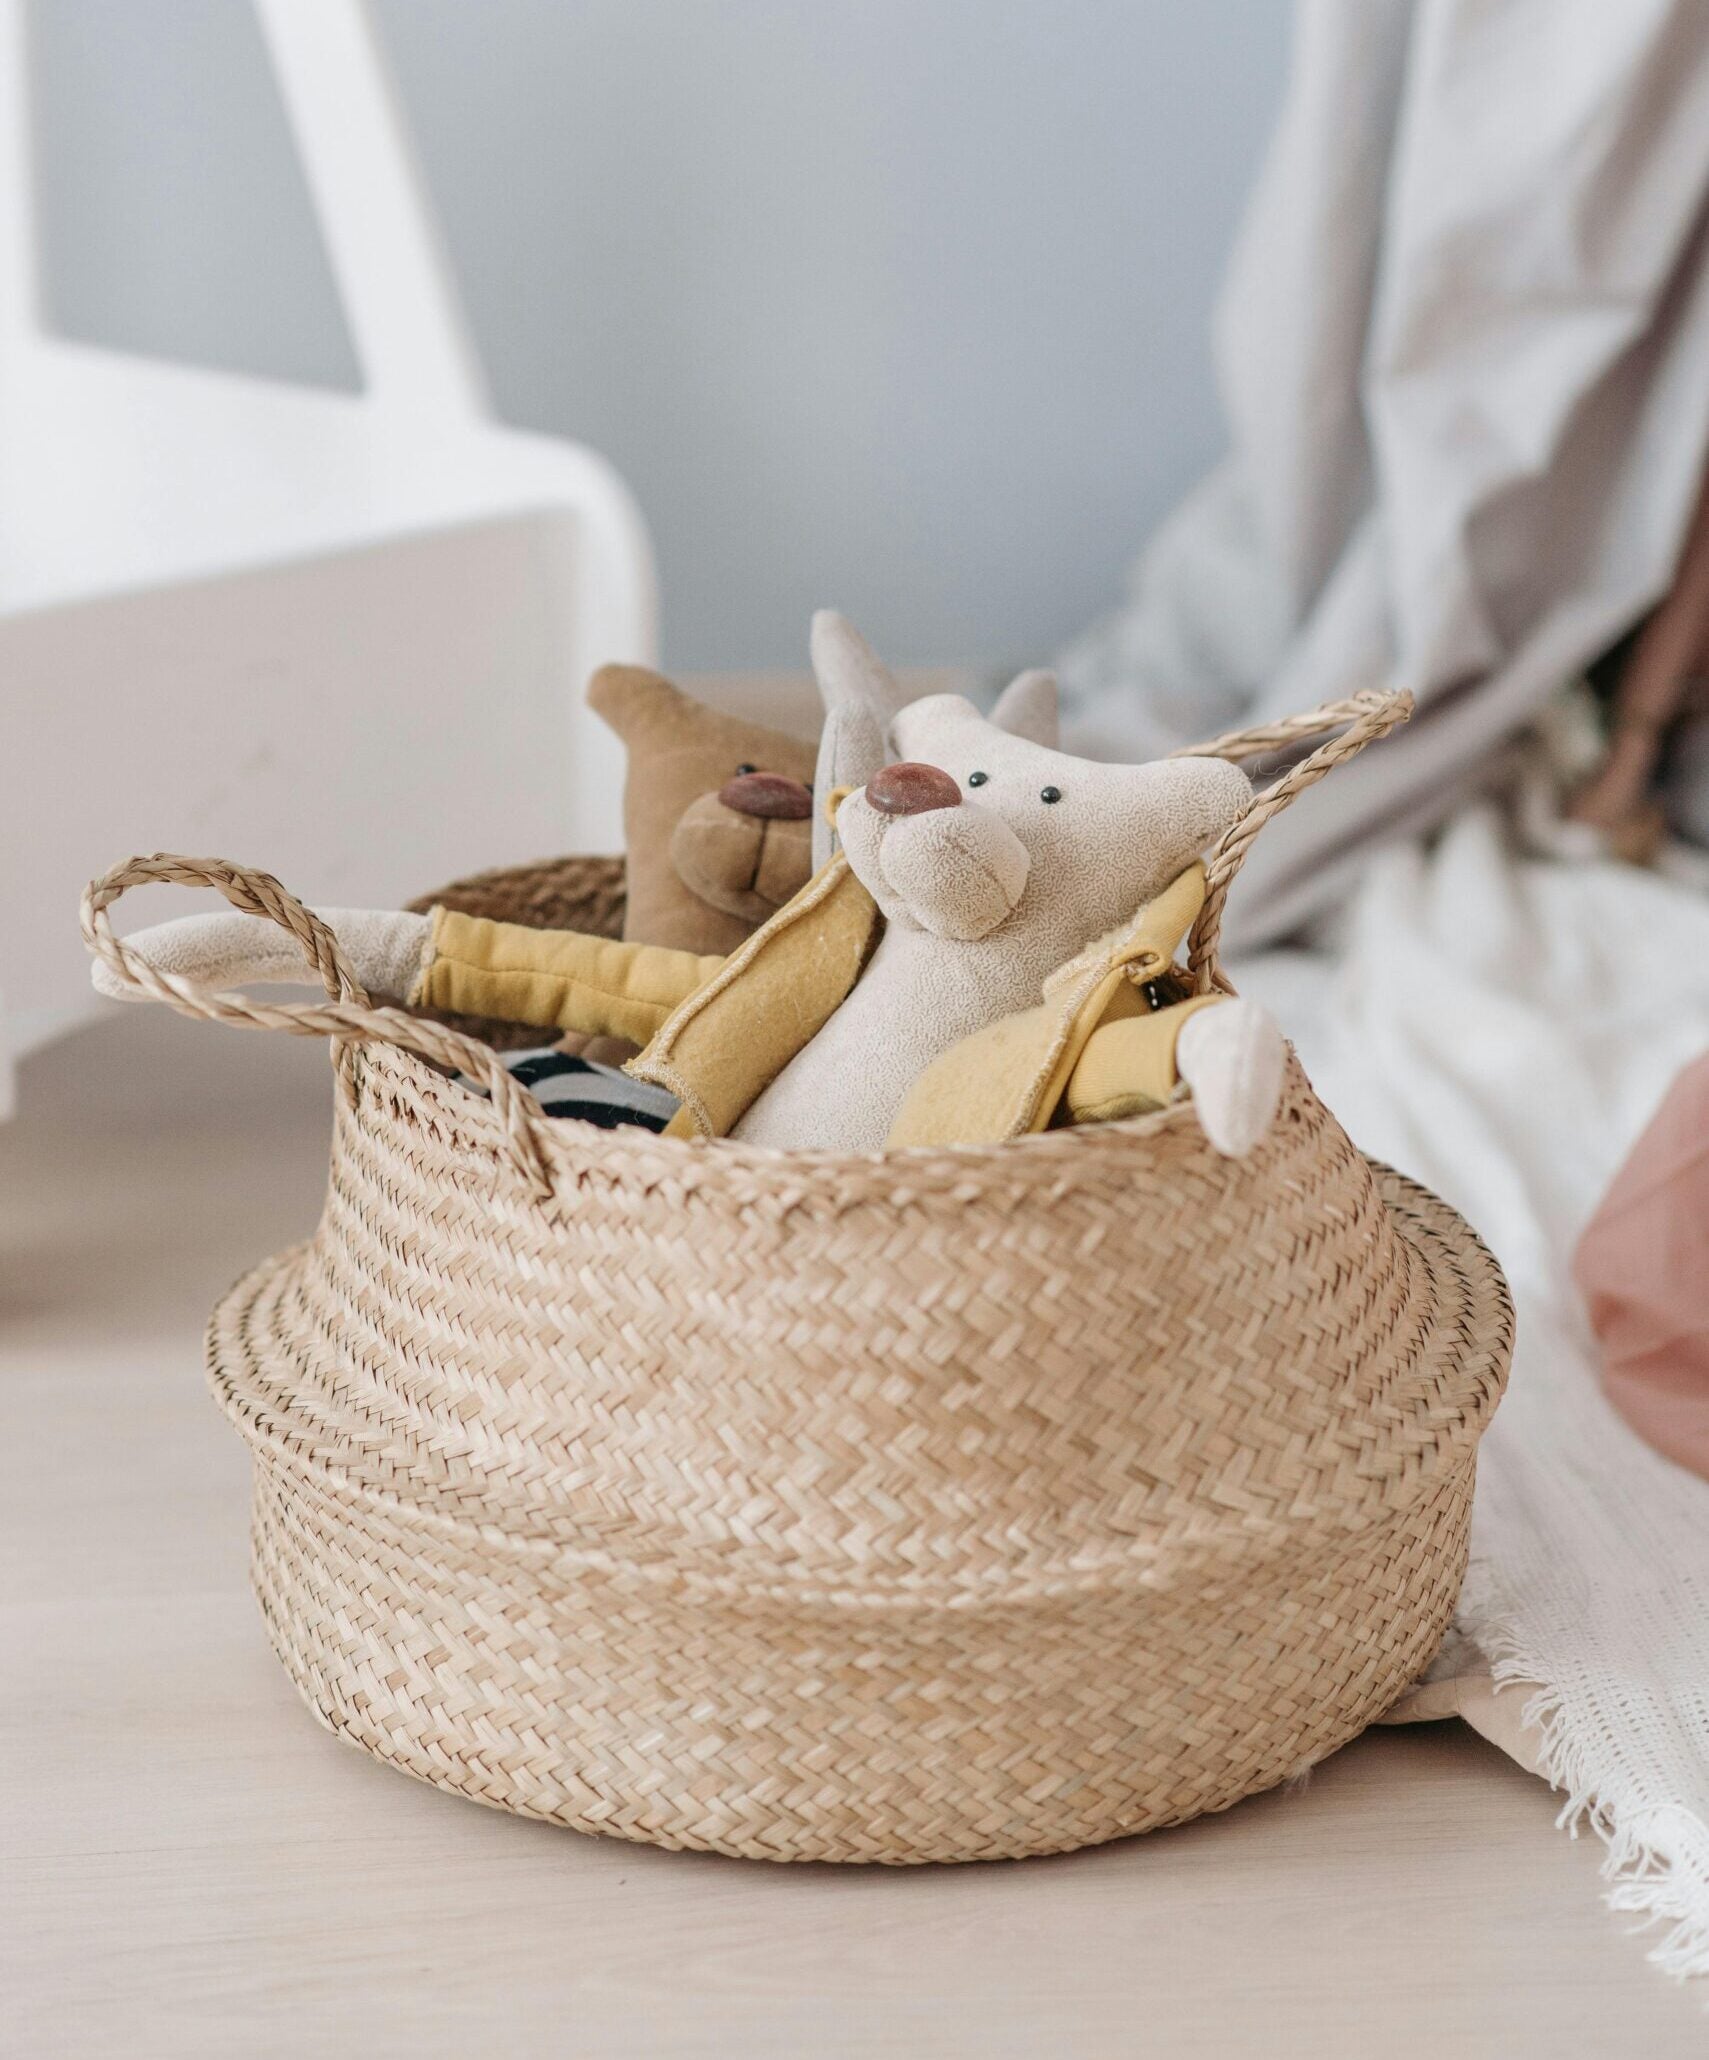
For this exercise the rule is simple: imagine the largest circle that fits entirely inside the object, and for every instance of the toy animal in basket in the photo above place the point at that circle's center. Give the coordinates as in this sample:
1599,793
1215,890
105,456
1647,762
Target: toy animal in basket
720,830
991,952
718,812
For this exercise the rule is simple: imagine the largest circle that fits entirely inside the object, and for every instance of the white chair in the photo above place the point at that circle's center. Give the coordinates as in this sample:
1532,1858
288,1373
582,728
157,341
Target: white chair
341,636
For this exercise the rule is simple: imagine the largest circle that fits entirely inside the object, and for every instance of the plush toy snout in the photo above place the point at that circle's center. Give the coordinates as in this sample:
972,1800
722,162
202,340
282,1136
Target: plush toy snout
768,796
746,849
931,859
909,788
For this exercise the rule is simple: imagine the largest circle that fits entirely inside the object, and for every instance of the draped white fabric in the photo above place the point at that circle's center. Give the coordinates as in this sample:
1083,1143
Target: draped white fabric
1502,1028
1463,351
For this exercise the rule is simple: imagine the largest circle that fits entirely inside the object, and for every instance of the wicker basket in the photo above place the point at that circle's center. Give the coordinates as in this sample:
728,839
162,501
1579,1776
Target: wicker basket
934,1505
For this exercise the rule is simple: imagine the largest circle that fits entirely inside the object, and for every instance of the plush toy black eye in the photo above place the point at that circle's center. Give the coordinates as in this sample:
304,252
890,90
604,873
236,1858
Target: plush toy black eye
1050,794
745,769
977,779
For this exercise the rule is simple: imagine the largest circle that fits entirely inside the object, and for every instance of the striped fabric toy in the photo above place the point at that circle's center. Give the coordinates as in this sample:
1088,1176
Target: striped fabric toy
566,1086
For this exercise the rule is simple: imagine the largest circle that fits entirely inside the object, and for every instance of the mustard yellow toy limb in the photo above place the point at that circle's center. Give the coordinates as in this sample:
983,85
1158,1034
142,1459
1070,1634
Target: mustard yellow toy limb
559,979
1128,1067
1014,1078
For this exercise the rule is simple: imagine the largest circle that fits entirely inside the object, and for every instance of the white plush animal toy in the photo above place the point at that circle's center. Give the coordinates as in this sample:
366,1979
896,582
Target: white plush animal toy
862,700
993,860
966,968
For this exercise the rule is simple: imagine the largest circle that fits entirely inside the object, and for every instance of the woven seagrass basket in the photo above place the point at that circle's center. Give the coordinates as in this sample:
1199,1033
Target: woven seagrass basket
932,1505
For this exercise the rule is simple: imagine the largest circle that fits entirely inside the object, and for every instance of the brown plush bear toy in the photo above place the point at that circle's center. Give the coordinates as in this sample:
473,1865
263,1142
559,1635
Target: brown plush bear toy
717,814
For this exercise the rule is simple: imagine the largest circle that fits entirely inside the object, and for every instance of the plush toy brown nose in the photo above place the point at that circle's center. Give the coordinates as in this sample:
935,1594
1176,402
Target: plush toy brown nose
773,797
911,789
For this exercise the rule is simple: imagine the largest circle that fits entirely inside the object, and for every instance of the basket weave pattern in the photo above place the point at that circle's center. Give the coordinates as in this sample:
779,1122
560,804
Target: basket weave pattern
936,1505
854,1489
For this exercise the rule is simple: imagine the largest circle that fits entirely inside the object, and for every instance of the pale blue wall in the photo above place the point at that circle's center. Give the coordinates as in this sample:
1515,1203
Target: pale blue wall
894,303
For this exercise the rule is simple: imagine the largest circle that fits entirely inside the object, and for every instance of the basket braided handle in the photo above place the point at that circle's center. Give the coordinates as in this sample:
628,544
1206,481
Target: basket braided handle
1359,720
346,1014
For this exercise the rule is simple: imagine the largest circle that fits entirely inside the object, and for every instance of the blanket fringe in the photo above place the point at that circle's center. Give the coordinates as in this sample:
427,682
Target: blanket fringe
1656,1860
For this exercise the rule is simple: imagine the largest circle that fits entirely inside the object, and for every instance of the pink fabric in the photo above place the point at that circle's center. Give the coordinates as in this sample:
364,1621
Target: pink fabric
1643,1269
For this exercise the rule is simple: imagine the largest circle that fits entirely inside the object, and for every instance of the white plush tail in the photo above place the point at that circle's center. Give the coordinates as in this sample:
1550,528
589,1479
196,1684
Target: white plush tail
1233,1058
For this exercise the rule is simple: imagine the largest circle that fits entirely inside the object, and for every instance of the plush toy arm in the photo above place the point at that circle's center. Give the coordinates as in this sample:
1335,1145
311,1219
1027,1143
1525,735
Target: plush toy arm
1229,1053
1129,1066
558,979
384,948
1233,1058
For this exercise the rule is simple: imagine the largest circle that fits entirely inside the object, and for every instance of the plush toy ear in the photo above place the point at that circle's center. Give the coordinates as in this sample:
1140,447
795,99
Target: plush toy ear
861,699
849,671
1027,708
633,701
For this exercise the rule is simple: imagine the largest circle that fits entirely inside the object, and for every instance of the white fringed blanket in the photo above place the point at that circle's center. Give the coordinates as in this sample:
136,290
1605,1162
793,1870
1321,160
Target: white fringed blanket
1502,1028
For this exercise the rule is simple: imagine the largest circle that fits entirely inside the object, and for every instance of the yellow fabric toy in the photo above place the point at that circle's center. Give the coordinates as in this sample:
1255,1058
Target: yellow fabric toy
933,983
718,1031
1093,1049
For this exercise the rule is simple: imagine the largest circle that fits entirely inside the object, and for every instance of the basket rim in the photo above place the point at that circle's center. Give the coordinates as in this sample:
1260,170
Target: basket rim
573,1137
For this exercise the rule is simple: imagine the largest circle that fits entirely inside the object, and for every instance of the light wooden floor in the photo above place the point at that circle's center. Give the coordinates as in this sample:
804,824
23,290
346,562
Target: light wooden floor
192,1868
